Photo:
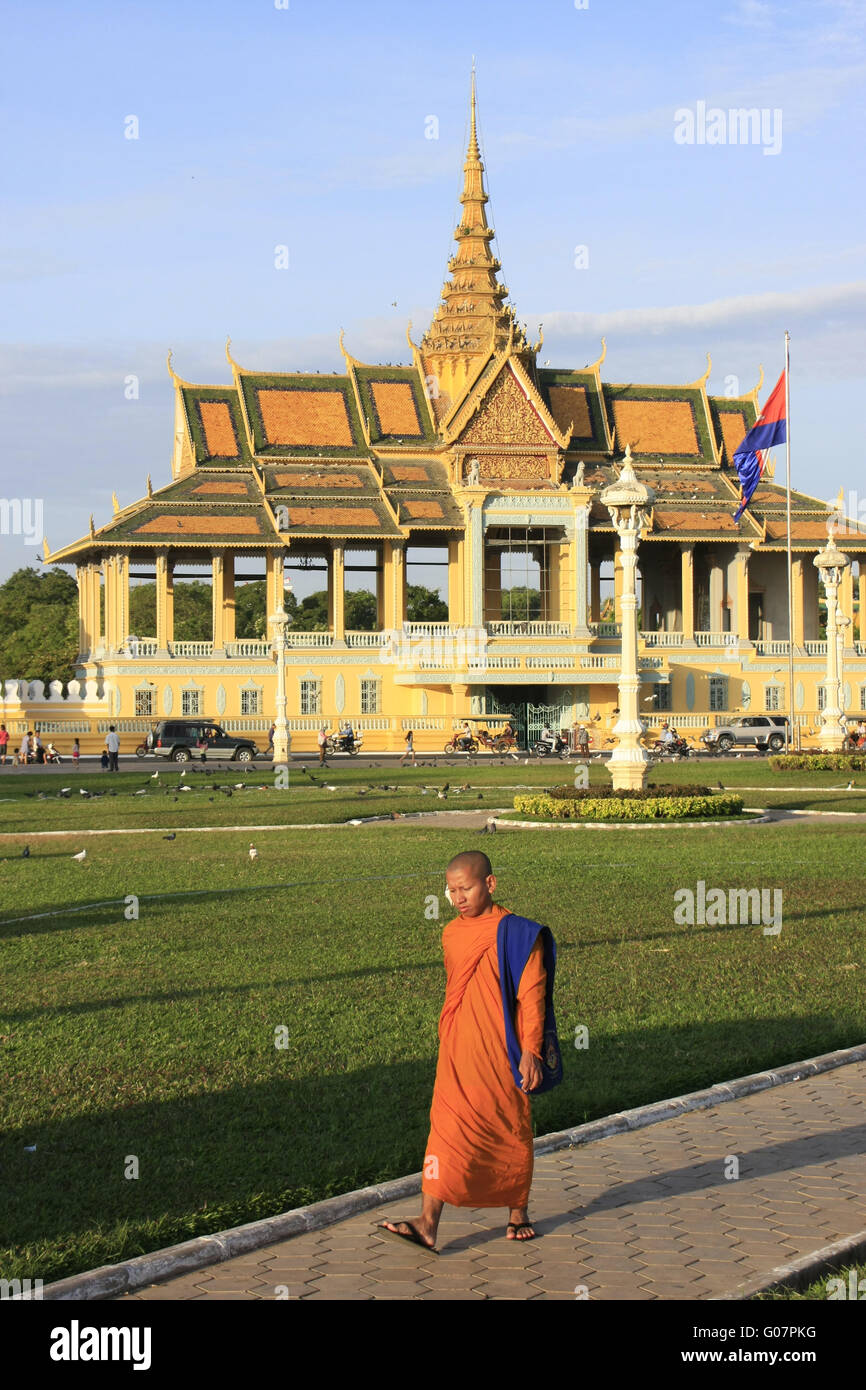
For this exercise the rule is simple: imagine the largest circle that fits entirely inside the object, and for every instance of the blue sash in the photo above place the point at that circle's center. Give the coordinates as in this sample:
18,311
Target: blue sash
515,938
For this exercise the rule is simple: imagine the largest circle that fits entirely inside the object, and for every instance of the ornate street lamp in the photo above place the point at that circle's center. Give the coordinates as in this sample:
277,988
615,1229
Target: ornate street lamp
628,501
831,564
282,741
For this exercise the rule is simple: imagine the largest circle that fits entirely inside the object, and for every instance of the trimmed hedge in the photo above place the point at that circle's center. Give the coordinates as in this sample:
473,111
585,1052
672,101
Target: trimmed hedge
629,808
819,762
569,793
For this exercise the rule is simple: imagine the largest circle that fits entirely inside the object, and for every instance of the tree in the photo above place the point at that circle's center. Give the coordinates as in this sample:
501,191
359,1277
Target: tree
38,626
362,611
424,605
521,604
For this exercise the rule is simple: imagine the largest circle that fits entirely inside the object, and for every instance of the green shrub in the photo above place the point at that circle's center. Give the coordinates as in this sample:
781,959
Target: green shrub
564,792
628,808
819,762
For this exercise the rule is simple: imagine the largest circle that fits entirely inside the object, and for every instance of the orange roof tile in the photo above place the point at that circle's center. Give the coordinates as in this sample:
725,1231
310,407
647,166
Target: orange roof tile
305,417
233,489
409,474
568,404
309,480
333,516
203,525
395,406
733,424
219,432
421,509
668,519
656,426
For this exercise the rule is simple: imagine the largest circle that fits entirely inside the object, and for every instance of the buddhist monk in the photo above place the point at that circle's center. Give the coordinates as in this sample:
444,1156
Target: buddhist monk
479,1152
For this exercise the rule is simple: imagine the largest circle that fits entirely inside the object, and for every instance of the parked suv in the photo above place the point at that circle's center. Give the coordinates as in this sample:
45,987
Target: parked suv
764,731
184,739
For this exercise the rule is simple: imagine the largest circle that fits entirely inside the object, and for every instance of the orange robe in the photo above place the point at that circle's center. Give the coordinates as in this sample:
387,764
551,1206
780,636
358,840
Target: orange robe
479,1153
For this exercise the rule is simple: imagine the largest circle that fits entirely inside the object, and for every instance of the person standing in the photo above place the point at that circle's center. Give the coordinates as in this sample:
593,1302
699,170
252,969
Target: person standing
323,745
76,753
583,741
4,744
271,731
498,1007
112,743
410,748
24,750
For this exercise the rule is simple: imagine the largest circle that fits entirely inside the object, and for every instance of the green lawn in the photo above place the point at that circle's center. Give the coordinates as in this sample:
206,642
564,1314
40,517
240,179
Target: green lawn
822,1288
155,1037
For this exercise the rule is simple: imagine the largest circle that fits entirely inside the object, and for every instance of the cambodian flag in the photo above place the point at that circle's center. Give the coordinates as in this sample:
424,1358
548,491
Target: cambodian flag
769,429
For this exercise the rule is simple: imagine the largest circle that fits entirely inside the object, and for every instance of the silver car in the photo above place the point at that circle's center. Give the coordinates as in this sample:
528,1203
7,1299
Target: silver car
764,731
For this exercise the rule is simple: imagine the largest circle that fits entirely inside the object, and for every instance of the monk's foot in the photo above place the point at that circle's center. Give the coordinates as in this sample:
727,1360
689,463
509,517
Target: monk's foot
519,1225
416,1231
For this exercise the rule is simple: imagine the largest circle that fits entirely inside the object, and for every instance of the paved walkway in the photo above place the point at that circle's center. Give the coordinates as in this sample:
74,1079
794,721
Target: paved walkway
648,1214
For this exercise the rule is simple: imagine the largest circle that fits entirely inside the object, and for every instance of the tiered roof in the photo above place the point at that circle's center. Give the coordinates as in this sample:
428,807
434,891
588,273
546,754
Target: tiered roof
385,451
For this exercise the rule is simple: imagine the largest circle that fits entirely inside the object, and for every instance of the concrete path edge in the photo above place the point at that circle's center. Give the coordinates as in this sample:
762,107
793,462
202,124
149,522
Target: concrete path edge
110,1280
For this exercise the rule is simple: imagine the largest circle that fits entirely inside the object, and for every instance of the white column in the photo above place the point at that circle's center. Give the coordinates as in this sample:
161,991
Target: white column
581,595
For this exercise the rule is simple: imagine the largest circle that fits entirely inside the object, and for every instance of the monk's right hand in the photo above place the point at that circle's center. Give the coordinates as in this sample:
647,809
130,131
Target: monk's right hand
531,1074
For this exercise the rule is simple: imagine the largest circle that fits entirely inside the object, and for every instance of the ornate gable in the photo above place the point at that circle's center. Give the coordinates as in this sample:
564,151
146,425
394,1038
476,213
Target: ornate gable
506,416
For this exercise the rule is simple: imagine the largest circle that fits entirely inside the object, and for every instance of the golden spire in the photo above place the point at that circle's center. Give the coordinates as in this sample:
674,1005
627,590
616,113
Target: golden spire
472,319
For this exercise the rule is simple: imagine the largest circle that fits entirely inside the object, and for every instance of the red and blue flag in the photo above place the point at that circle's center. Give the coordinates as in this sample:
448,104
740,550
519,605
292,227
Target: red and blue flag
769,429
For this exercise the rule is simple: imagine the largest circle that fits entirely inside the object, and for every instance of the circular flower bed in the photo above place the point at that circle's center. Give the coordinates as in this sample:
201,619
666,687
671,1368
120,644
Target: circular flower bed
629,806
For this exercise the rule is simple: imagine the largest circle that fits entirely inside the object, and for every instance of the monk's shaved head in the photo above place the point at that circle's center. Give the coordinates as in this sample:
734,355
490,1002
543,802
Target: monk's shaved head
471,862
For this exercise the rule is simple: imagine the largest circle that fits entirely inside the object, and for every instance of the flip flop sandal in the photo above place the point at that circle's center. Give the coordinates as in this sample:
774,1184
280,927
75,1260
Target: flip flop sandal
520,1226
411,1235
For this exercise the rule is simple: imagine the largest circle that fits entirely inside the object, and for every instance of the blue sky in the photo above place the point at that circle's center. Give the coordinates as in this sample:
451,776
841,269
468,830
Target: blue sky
305,126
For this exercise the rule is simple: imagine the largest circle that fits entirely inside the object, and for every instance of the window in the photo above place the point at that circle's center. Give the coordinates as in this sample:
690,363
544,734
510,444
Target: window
144,702
863,697
773,697
663,697
370,697
822,697
190,702
311,697
251,702
718,692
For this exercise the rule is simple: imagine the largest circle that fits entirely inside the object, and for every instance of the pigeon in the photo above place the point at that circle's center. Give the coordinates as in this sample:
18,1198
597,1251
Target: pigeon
254,854
446,787
64,791
328,788
80,857
172,836
850,787
304,771
186,789
155,775
25,853
489,829
239,786
443,796
141,793
183,774
721,787
480,796
82,791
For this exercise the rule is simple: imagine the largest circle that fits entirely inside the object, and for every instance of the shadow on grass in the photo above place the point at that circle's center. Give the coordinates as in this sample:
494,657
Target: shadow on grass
213,1160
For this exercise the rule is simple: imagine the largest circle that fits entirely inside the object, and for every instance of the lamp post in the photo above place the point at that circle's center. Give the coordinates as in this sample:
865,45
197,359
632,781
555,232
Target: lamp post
831,564
627,500
281,729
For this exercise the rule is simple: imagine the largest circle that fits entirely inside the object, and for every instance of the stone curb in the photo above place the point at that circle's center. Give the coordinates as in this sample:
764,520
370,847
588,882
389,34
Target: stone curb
799,1274
729,823
110,1280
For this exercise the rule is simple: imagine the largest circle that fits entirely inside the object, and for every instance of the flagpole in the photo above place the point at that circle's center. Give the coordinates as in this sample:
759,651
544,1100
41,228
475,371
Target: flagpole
790,732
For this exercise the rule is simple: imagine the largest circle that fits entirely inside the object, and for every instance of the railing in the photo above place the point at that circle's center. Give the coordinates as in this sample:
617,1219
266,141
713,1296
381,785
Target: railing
717,639
365,639
816,648
309,639
364,723
423,721
190,648
550,663
529,628
139,646
600,663
431,629
605,629
860,648
771,648
249,646
661,639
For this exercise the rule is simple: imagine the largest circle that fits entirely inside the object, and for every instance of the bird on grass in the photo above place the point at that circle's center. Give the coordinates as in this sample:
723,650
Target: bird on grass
155,775
64,791
183,774
82,791
488,829
80,858
443,796
140,793
172,836
446,786
721,787
186,789
25,853
239,786
254,854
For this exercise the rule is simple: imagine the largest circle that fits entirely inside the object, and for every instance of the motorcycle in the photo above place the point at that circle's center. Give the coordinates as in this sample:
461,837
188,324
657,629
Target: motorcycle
461,744
554,746
344,743
676,747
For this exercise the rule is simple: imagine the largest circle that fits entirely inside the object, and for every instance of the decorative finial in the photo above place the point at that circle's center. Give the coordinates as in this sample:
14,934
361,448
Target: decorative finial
702,380
92,529
149,486
594,366
473,152
115,504
46,549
